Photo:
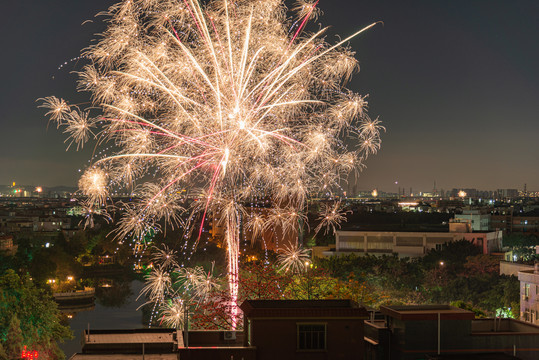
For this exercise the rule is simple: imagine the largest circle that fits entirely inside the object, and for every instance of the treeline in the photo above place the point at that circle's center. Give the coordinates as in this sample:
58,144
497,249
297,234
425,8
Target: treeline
457,274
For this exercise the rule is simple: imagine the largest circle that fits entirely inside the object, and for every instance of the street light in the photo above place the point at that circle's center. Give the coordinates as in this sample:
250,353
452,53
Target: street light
308,264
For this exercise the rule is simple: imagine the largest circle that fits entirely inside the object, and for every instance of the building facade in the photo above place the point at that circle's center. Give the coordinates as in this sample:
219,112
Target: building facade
529,295
410,244
305,329
527,225
479,221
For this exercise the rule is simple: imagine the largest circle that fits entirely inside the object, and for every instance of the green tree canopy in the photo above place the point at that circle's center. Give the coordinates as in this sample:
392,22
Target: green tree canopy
31,312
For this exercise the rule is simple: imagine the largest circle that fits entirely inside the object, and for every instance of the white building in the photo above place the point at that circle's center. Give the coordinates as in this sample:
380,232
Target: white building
478,221
409,244
529,295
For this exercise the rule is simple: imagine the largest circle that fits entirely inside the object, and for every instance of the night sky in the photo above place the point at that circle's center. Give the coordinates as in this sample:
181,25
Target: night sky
456,84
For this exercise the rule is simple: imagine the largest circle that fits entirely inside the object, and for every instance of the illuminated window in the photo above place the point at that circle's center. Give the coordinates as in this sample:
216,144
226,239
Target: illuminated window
311,336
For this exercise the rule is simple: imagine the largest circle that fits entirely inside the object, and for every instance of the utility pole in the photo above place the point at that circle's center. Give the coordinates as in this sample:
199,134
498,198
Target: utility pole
186,326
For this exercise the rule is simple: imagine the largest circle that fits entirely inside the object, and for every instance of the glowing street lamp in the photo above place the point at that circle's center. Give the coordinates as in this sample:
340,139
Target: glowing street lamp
308,264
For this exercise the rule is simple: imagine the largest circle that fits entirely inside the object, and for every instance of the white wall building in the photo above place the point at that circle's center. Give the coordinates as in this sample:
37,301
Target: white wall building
529,295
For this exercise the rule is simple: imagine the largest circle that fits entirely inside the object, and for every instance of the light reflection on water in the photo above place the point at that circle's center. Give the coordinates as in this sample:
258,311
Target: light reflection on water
106,316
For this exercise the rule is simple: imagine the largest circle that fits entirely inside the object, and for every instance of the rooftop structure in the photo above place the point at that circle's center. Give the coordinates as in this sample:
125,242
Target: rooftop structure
445,332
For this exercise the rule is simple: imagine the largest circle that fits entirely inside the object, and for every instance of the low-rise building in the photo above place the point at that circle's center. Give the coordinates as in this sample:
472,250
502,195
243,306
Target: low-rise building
327,329
442,331
409,244
479,220
527,225
529,295
273,329
304,329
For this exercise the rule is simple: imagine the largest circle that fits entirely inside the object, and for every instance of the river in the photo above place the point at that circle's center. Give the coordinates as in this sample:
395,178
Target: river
110,312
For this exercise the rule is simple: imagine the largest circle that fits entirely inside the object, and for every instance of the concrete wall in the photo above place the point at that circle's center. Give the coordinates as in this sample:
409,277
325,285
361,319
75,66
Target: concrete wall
511,268
213,338
217,353
277,339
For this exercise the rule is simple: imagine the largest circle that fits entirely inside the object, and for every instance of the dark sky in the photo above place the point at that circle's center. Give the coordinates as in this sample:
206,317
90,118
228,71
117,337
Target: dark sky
456,84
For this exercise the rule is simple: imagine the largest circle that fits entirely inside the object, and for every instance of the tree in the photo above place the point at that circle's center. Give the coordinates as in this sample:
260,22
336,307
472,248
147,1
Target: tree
3,354
481,264
42,267
517,240
14,339
36,313
453,255
479,313
260,281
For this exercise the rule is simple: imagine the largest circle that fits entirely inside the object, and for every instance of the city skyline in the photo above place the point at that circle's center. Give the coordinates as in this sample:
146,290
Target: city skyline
468,67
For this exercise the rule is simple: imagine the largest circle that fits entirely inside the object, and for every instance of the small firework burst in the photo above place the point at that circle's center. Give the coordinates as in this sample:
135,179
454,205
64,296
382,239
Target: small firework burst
294,258
165,257
173,313
331,217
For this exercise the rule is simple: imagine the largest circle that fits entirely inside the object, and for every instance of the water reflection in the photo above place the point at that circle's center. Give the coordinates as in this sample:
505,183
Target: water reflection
113,293
115,308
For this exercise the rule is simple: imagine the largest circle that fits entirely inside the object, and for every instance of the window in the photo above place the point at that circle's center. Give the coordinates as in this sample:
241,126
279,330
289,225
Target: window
311,336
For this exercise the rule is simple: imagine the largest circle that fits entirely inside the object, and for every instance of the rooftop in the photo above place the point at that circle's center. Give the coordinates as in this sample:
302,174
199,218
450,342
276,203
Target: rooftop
303,308
133,336
503,327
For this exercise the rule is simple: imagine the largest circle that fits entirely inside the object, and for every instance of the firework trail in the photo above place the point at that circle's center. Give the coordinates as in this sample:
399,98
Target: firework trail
232,98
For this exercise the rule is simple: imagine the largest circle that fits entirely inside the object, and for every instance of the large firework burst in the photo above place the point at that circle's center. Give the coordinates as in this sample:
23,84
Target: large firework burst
232,97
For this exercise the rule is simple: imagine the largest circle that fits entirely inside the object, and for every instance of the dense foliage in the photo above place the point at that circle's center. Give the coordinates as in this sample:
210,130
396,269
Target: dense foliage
28,317
458,273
